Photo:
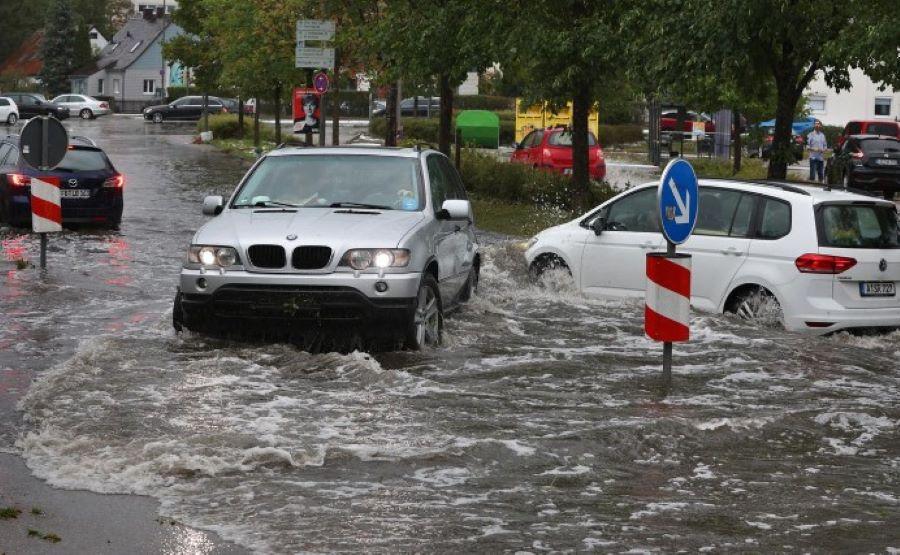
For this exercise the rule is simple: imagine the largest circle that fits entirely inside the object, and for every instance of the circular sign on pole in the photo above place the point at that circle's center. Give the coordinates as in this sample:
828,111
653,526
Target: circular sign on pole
43,142
679,199
321,82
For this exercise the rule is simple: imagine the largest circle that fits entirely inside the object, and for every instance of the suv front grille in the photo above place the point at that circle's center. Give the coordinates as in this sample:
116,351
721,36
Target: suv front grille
311,257
267,256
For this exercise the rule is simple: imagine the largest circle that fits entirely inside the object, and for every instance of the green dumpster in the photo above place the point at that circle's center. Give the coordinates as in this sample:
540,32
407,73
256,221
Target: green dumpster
479,128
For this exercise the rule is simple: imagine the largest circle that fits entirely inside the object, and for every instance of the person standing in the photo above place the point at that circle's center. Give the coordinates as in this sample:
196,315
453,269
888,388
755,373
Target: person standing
816,144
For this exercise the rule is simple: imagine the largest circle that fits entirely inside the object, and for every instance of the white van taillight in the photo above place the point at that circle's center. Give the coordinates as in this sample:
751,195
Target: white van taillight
824,264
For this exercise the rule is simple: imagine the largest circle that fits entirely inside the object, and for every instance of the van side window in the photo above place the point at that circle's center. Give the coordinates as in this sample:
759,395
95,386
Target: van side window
635,212
716,212
775,221
740,227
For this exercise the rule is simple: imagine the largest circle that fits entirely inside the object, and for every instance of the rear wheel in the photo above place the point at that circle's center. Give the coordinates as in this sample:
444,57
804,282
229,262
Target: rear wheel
755,304
471,286
157,117
426,325
546,263
86,114
12,119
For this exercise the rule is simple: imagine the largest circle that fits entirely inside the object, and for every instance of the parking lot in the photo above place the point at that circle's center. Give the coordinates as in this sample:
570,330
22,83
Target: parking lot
540,424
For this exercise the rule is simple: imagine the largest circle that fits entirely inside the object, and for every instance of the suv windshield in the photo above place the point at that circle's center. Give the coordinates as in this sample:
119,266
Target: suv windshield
83,160
856,226
564,138
323,181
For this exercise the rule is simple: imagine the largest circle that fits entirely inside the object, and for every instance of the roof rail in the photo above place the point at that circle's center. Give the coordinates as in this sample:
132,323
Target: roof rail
791,188
84,139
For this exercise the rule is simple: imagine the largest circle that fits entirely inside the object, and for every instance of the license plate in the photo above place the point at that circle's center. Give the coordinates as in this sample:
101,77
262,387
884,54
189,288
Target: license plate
877,289
76,193
886,162
567,171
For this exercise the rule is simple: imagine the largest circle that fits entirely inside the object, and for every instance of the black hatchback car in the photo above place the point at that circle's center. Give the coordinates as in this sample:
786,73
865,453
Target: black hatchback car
34,104
90,187
868,162
185,108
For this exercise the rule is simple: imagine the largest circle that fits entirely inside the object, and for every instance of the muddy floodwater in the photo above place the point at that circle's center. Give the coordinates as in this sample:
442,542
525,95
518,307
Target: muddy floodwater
540,425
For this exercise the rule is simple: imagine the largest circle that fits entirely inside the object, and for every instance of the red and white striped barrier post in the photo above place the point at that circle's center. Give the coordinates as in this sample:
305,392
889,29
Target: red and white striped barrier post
668,302
46,210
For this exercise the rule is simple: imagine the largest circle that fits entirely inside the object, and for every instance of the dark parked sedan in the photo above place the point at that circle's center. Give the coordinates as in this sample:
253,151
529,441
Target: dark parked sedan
186,108
409,107
90,187
34,104
868,162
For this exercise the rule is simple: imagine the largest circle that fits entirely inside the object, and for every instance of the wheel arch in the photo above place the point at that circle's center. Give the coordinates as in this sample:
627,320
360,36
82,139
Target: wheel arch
747,285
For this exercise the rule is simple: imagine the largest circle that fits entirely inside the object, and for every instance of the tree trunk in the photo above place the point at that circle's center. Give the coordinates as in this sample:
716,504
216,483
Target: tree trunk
738,144
278,114
780,155
444,131
581,108
390,136
240,118
205,110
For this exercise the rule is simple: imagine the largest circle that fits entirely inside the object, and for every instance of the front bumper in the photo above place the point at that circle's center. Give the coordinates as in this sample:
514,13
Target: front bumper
878,179
298,302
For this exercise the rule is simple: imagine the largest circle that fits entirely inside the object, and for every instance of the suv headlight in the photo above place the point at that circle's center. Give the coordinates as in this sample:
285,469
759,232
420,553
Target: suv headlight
211,256
362,259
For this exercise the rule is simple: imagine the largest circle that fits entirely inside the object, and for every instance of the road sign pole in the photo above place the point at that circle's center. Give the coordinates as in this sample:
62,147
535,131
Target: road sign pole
45,163
668,345
322,119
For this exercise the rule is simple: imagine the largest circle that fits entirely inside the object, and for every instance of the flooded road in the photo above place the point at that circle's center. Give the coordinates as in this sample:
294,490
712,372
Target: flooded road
538,426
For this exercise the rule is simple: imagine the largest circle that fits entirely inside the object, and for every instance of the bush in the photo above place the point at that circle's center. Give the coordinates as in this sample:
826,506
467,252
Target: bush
487,177
225,126
620,134
426,129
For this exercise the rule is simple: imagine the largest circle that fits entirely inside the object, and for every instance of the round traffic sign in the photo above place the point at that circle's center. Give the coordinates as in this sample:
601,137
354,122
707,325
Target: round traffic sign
679,200
43,142
321,82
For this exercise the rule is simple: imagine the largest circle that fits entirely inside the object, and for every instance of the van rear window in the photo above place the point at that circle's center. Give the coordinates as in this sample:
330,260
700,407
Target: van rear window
855,226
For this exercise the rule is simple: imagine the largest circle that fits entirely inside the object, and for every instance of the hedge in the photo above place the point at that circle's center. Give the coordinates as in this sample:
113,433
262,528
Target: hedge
486,176
225,126
620,134
484,102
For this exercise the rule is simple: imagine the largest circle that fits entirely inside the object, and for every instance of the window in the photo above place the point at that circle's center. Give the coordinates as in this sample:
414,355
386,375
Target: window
455,189
740,227
564,138
83,160
439,185
149,85
116,86
888,128
775,222
883,106
135,47
717,211
4,102
99,86
853,128
92,35
114,46
858,227
816,103
636,212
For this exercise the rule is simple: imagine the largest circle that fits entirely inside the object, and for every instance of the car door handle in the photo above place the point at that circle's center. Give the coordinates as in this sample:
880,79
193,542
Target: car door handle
731,250
648,245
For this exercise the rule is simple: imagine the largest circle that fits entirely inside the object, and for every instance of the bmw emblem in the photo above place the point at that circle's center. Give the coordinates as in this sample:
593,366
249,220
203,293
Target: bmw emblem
291,237
882,265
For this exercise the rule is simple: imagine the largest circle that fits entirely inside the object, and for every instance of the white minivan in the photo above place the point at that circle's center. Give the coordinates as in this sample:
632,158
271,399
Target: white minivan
827,259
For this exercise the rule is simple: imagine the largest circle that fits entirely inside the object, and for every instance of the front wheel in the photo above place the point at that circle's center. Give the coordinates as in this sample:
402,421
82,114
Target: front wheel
177,313
157,117
12,119
427,322
86,114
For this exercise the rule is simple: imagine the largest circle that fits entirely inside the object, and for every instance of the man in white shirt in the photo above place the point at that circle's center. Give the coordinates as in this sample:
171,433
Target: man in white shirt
816,145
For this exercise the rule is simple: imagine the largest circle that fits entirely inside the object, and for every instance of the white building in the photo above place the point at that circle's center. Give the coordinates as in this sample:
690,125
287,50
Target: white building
141,5
97,40
862,102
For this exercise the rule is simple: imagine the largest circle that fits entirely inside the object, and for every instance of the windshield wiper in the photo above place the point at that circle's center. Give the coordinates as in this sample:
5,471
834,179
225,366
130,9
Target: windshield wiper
358,205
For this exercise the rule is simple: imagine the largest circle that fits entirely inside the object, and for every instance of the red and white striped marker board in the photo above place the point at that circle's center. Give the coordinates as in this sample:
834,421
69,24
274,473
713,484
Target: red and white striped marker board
668,303
46,210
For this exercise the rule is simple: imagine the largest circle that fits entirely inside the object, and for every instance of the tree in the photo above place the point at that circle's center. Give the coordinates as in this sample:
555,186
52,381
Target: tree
566,63
746,45
58,49
18,20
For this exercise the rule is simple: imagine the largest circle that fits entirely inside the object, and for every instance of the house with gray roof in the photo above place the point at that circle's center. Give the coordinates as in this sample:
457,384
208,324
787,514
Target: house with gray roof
131,70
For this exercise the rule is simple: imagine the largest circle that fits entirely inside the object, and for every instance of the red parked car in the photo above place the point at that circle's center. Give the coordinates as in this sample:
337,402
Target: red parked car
668,121
551,149
869,127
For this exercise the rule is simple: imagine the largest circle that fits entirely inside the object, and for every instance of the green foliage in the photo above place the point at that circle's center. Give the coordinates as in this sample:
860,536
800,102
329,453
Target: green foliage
484,102
356,103
18,20
511,218
58,48
714,167
486,177
622,134
9,512
225,126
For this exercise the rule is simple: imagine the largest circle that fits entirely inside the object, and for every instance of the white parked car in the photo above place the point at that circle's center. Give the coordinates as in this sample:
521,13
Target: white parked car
9,112
828,259
87,107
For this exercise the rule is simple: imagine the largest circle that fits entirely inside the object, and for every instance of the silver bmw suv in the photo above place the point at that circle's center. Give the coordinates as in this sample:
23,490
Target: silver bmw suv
348,242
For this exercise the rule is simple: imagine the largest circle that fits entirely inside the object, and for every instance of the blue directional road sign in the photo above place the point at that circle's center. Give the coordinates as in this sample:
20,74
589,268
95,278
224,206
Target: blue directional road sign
678,200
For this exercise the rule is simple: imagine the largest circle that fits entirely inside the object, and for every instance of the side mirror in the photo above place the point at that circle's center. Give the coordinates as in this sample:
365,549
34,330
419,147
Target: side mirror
455,210
213,205
598,225
517,146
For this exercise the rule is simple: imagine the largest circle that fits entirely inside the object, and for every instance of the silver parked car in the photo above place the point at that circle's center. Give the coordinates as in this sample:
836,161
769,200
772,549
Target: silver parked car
87,107
369,242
